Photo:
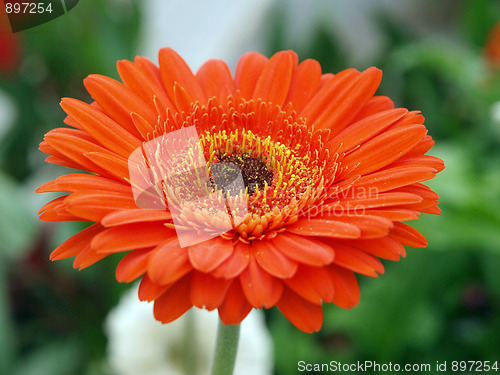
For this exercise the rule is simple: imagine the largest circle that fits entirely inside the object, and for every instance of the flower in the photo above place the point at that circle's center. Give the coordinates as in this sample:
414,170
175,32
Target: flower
492,46
330,173
138,344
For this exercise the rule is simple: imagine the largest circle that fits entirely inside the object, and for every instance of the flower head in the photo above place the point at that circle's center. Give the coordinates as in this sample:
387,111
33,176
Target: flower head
296,181
492,47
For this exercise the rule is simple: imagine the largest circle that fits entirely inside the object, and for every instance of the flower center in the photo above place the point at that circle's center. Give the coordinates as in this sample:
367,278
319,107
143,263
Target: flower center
283,164
255,172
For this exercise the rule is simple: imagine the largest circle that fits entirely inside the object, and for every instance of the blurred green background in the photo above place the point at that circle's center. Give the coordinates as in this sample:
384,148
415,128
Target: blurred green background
440,303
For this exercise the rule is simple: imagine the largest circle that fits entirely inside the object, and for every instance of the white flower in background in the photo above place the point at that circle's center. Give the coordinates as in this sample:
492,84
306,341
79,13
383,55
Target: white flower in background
495,116
200,30
495,112
140,345
8,112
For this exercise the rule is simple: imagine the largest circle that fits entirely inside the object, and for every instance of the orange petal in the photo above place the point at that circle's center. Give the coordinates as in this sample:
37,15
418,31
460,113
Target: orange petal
111,163
384,148
235,306
73,245
118,101
359,205
134,216
247,72
272,260
407,235
149,290
174,70
144,80
94,206
79,182
373,106
132,266
73,146
304,84
395,214
206,256
304,250
215,78
304,315
107,132
274,81
260,288
312,284
345,285
174,302
369,226
365,129
145,129
168,263
207,291
385,247
324,228
131,236
235,263
346,103
87,257
392,178
357,260
57,210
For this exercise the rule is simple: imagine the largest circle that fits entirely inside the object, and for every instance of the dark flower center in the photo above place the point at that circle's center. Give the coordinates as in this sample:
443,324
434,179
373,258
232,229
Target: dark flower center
255,172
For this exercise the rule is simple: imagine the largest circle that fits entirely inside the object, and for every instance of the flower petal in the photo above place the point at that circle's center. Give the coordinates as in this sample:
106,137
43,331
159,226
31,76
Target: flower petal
168,262
174,302
248,70
137,215
274,81
149,290
304,84
174,70
260,288
365,129
144,78
118,101
272,260
357,260
107,132
304,250
235,263
215,78
206,256
304,315
385,247
131,236
312,284
346,287
385,148
407,235
235,306
207,291
73,245
132,266
94,206
79,182
324,228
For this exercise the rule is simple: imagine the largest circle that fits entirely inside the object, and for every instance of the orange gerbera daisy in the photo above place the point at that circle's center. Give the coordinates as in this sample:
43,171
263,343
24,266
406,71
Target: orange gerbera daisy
328,172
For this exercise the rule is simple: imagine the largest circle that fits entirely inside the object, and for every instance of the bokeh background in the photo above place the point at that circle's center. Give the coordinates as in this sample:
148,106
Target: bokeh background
441,303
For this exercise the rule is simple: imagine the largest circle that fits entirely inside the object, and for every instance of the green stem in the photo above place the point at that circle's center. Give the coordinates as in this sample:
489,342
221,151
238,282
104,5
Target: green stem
226,349
190,344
